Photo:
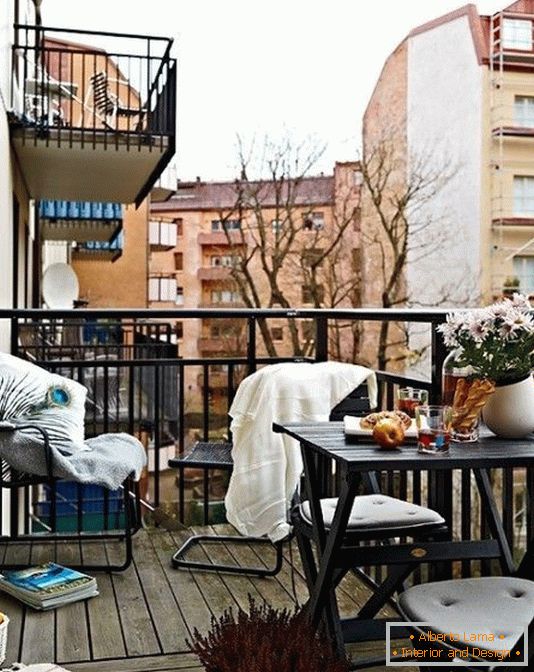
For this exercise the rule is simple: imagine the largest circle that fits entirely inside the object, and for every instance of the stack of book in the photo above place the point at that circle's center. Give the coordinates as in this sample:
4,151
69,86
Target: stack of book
48,586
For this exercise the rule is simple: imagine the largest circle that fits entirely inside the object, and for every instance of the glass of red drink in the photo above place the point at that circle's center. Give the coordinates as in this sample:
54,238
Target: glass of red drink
434,425
408,398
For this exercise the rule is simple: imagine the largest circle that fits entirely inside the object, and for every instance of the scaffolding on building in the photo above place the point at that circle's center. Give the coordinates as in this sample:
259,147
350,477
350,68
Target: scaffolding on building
511,65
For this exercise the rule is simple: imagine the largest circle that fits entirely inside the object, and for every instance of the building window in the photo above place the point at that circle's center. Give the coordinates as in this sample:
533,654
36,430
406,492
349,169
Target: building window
309,296
228,331
226,260
524,270
179,227
524,111
179,330
356,260
517,34
179,261
161,289
524,195
357,178
225,225
308,330
312,257
179,296
313,221
277,333
224,296
277,225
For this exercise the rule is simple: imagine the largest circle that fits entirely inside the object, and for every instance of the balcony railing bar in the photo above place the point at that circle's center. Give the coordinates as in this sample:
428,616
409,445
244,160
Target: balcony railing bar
434,316
100,33
57,106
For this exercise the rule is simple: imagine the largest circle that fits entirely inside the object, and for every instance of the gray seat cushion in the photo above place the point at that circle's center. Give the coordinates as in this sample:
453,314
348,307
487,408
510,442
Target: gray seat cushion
377,512
496,604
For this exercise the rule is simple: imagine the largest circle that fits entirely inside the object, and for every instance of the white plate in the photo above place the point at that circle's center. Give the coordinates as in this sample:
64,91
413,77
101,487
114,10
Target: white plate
352,428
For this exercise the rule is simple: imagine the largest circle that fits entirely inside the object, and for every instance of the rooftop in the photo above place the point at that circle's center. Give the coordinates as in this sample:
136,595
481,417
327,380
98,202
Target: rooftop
200,195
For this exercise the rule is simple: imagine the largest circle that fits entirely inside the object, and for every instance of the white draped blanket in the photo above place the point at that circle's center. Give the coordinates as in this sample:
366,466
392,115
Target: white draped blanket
267,466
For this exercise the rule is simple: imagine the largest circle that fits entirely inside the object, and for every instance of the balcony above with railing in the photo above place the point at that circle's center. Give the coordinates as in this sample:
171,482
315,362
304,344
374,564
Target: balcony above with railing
214,273
80,221
220,238
91,123
219,344
98,250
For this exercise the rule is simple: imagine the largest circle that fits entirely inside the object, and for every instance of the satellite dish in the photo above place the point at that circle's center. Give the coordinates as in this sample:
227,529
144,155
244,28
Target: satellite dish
60,286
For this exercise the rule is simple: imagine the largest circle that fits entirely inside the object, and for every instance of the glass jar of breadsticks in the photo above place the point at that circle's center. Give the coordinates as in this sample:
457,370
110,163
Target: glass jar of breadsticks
466,392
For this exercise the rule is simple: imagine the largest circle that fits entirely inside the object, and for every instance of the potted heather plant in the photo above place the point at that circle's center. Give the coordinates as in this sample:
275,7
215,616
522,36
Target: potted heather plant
496,344
266,639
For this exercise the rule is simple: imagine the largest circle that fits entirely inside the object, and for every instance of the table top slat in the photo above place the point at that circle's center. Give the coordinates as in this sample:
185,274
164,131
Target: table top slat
488,452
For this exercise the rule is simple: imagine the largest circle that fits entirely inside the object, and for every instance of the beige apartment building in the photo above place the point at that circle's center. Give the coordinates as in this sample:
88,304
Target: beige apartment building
457,96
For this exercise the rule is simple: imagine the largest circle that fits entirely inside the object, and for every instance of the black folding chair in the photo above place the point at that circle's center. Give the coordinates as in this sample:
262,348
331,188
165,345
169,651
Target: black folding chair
19,483
207,455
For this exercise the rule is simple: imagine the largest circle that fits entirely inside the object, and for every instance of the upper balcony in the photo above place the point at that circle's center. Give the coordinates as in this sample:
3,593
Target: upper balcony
515,212
97,250
214,273
85,118
162,235
512,41
220,238
80,221
513,121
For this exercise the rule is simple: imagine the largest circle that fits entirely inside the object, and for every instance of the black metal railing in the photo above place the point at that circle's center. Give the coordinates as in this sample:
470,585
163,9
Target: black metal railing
138,379
66,92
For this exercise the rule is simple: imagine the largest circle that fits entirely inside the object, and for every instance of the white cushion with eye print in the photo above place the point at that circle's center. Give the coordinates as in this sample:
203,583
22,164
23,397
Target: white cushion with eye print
30,394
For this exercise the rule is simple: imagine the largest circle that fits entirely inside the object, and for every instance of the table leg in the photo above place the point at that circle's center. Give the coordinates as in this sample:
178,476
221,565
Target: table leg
327,563
327,610
440,492
494,519
526,567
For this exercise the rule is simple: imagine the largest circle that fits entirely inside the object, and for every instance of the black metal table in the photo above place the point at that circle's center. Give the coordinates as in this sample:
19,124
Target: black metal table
324,443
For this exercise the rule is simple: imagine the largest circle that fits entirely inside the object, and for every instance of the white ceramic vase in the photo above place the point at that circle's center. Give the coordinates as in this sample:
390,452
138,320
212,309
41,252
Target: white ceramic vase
509,412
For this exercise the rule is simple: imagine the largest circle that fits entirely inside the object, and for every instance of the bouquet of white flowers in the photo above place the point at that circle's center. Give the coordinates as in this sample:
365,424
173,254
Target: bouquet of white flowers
497,341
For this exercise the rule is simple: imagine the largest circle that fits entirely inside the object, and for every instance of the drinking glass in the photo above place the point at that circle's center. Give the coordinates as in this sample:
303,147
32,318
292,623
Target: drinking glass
433,429
410,397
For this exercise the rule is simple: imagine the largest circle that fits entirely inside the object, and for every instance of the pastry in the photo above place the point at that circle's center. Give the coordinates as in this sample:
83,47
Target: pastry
369,421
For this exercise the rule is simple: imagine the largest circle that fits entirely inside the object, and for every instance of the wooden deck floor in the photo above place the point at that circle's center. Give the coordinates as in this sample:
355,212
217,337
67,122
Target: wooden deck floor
143,617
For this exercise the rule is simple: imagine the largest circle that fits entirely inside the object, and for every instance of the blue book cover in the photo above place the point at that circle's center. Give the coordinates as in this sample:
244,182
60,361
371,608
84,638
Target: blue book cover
46,579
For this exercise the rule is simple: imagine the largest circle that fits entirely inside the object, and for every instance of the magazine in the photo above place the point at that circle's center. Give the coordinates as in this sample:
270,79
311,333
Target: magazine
48,586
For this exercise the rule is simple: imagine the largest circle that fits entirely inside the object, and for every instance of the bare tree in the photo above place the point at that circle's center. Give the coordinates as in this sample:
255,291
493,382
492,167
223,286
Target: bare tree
398,228
282,244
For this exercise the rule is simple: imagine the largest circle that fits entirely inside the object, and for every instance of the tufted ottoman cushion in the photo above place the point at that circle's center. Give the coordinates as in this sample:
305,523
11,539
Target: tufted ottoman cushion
496,604
376,512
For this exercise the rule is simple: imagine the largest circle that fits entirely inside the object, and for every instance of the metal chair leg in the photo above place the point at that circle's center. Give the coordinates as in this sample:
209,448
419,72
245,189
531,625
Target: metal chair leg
179,560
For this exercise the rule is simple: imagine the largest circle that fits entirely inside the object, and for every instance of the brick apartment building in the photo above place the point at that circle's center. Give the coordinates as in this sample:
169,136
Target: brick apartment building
199,236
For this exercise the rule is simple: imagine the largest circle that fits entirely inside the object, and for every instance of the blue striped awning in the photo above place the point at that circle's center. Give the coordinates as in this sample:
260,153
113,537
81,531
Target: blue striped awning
72,210
80,221
99,249
114,245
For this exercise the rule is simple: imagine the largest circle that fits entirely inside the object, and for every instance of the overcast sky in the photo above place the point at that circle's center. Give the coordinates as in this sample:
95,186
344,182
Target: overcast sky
307,67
